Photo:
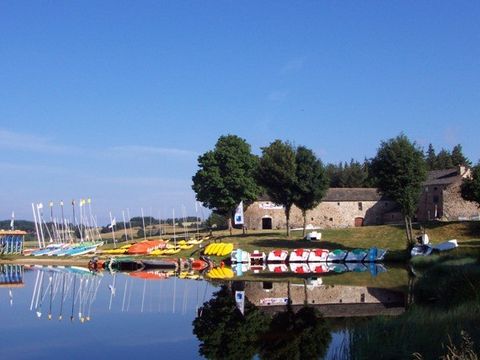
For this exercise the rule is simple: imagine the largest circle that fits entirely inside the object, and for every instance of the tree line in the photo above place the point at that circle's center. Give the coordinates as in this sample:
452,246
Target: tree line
293,175
356,174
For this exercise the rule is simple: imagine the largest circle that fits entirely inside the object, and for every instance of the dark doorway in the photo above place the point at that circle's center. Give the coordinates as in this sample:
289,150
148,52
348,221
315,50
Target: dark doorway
267,223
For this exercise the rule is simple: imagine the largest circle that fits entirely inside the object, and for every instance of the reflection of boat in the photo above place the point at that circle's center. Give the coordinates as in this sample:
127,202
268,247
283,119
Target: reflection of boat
160,264
337,255
356,266
257,257
199,264
299,255
356,255
150,275
277,255
123,264
318,255
299,268
337,267
318,267
277,268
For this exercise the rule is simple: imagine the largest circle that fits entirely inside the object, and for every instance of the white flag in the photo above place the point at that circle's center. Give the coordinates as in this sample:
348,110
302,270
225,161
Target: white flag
114,222
40,206
238,218
13,220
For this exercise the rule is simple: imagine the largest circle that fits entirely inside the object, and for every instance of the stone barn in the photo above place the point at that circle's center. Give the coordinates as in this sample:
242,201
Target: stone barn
441,198
341,207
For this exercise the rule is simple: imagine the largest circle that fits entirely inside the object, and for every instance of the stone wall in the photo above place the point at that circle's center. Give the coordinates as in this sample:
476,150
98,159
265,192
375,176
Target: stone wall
454,207
327,214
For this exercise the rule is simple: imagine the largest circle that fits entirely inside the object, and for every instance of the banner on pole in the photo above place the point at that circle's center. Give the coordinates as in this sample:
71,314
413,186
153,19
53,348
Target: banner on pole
238,218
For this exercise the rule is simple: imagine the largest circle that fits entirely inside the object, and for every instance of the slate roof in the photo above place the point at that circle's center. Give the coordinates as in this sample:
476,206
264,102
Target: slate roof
353,194
443,177
345,194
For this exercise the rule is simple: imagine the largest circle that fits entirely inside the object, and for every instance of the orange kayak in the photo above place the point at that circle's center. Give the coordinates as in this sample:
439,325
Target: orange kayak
146,247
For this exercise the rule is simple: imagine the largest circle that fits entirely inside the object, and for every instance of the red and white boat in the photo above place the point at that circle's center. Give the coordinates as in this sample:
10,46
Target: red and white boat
299,255
257,257
318,255
277,255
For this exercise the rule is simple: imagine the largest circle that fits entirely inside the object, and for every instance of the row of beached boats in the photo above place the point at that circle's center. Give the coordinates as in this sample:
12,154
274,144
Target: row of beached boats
308,256
56,249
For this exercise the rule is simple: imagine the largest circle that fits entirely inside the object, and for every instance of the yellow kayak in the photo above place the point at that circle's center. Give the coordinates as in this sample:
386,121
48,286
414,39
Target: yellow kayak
171,251
227,249
185,246
158,252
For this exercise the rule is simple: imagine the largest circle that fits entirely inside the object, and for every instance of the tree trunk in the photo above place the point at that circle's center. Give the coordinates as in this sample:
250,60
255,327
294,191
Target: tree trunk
287,215
304,213
230,224
407,232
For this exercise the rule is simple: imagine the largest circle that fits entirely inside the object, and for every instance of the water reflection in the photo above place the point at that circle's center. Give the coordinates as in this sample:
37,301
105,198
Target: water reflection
130,313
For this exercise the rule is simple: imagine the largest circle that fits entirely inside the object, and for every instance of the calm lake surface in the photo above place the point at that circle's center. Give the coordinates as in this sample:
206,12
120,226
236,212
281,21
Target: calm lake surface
70,313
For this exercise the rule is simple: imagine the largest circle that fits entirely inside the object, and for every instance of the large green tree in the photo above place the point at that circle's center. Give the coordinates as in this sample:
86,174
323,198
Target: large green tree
226,176
400,169
471,186
311,182
458,158
277,174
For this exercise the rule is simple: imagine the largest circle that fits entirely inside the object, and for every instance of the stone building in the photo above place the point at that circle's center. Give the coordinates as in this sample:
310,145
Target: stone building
341,207
348,207
441,198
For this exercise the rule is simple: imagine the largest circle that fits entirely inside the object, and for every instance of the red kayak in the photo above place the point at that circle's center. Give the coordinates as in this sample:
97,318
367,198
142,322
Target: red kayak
146,247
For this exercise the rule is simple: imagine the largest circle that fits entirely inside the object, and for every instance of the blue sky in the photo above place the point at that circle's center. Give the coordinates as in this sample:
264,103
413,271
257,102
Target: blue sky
116,99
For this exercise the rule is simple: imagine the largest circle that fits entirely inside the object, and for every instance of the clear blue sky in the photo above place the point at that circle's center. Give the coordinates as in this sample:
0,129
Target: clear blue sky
116,99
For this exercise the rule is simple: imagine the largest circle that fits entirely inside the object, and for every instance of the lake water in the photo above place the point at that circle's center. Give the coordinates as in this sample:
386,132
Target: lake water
70,313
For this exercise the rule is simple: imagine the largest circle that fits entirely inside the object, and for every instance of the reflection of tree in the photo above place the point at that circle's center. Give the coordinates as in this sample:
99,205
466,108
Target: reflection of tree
303,335
224,332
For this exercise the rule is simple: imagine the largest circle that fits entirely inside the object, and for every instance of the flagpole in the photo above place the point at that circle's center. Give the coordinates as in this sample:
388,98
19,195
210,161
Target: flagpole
113,230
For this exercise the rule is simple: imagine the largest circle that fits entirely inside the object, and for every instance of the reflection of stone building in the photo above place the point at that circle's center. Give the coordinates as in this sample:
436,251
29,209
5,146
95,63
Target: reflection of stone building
348,207
341,207
441,197
331,300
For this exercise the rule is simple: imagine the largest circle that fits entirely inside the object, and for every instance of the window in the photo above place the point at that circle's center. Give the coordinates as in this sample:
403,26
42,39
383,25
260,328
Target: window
435,199
338,203
360,206
331,219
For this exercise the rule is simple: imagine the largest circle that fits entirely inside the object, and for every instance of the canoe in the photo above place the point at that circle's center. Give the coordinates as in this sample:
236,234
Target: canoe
146,247
299,255
318,255
199,265
356,255
337,255
277,255
227,249
375,254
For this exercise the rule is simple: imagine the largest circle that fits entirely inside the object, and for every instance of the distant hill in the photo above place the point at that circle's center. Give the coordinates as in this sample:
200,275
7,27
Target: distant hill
25,225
